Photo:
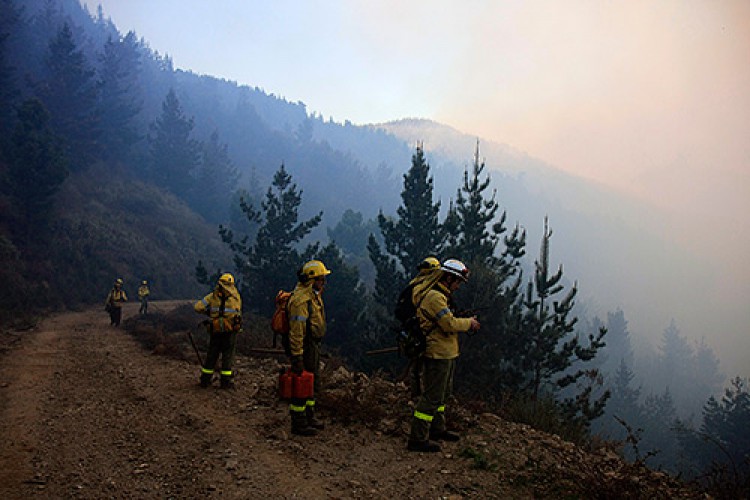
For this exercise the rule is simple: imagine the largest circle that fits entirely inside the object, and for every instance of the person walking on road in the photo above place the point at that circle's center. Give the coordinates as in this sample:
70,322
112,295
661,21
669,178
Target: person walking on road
143,293
435,313
113,304
307,326
223,307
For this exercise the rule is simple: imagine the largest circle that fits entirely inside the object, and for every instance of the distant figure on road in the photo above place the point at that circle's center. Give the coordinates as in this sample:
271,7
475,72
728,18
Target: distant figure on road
114,302
143,293
223,307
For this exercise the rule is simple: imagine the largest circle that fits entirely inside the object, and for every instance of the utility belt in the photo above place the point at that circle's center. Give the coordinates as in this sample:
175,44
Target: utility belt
223,324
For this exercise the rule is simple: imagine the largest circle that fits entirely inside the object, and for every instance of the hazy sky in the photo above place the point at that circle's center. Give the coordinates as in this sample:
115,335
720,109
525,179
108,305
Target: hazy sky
652,97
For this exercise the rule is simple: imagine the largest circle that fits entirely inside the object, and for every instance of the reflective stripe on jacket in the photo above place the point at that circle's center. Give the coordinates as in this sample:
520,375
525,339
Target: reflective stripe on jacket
439,324
116,297
211,303
306,316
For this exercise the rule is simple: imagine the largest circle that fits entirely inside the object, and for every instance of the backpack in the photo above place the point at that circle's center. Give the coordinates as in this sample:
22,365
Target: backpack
222,323
412,341
404,306
280,318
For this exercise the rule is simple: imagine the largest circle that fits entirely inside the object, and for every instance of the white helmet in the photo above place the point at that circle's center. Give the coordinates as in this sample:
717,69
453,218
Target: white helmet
457,268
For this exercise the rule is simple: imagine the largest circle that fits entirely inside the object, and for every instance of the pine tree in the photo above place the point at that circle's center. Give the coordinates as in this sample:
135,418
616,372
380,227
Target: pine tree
389,280
720,451
623,405
659,436
345,299
545,346
351,233
119,96
414,235
471,239
174,155
217,180
9,19
37,169
70,94
618,348
271,262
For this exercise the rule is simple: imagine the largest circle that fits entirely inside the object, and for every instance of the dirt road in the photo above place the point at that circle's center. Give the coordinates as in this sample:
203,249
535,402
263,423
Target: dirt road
88,413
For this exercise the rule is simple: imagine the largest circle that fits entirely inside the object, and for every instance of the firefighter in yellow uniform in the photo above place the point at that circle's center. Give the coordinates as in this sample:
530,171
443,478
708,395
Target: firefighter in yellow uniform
113,304
223,307
428,269
435,313
307,326
143,293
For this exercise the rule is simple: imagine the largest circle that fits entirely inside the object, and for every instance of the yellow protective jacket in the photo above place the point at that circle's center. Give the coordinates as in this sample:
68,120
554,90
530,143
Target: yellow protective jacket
423,276
143,291
438,322
230,318
116,297
306,316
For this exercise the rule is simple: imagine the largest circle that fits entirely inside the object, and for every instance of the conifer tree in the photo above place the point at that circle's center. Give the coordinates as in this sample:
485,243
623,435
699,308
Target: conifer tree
37,169
70,95
271,262
414,235
119,97
217,180
720,449
174,154
623,405
618,349
659,424
475,231
543,346
8,92
345,299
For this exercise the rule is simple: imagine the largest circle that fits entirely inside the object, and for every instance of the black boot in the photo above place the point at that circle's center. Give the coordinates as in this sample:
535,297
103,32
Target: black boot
423,446
206,379
227,383
299,425
444,436
312,421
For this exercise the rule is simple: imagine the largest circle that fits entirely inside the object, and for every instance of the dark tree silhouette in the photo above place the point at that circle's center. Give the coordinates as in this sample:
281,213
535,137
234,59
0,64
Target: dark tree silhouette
270,262
37,169
174,154
414,235
217,180
70,95
119,96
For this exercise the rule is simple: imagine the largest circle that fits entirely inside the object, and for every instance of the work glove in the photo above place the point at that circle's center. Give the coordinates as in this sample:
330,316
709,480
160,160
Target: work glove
297,365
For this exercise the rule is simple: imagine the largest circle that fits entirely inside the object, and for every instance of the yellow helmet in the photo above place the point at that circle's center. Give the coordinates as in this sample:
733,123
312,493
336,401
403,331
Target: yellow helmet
314,269
226,279
428,264
144,282
118,281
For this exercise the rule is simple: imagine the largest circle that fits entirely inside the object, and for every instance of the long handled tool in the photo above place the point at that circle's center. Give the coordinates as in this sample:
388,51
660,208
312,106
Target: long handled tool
192,342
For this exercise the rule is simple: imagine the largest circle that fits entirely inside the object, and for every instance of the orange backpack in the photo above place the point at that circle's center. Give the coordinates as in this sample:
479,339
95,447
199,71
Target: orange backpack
280,318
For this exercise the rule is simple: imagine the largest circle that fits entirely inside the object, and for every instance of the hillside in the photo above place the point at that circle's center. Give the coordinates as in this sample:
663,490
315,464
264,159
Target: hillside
88,412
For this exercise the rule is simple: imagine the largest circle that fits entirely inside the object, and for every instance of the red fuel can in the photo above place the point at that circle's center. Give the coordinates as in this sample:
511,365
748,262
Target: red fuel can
296,386
302,385
285,384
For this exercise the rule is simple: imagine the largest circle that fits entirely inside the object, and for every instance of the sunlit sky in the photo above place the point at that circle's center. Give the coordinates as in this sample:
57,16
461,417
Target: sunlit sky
650,97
